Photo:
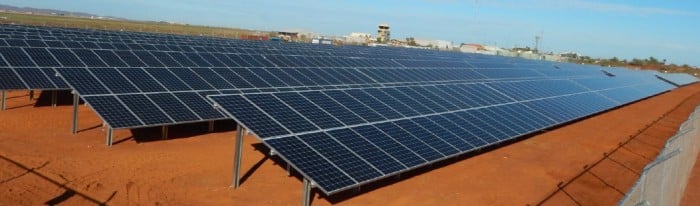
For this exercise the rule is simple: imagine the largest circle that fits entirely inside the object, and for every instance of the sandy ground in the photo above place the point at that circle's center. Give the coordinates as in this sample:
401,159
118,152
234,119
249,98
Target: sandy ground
42,163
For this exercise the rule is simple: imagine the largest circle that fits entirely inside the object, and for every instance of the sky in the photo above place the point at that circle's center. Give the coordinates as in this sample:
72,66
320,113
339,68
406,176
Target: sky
614,28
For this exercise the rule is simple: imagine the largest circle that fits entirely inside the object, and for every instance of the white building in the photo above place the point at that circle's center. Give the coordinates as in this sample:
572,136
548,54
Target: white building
358,38
439,44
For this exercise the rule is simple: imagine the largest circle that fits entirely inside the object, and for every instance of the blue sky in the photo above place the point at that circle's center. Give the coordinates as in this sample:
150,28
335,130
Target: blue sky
622,28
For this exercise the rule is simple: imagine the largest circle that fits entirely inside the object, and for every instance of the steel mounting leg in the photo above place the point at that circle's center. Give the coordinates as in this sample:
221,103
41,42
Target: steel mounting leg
4,100
164,132
76,101
306,193
238,157
54,98
110,133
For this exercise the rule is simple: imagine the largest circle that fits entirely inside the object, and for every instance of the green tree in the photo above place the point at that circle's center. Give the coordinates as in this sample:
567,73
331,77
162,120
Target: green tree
411,41
652,60
614,60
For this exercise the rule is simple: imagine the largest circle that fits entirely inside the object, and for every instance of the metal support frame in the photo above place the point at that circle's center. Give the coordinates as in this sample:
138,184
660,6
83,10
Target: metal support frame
164,132
237,159
306,193
110,133
4,100
54,98
211,126
76,101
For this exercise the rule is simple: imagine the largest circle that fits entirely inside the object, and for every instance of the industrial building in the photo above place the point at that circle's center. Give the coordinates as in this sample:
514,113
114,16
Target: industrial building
383,33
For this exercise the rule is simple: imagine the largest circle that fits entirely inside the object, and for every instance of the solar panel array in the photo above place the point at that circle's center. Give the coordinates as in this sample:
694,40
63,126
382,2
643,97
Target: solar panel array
677,78
140,80
342,116
343,138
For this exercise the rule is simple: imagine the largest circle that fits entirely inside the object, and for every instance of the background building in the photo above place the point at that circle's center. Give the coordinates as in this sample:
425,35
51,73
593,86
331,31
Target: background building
383,33
358,38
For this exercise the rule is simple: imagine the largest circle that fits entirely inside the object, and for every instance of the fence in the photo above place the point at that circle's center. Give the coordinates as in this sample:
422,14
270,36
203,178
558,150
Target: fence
663,181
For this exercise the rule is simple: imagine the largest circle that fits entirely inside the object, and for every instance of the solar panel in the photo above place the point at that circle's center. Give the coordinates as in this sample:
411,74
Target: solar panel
677,79
423,123
10,80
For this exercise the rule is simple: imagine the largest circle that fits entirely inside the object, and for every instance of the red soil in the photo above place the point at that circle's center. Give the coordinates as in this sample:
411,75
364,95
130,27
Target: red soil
42,163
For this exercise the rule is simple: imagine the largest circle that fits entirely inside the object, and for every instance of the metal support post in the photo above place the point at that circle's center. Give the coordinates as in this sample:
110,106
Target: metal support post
54,98
211,126
4,100
31,95
237,159
76,101
289,170
306,193
164,132
110,133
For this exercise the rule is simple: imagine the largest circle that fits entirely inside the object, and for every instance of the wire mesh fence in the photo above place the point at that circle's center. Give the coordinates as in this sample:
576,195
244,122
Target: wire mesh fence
663,181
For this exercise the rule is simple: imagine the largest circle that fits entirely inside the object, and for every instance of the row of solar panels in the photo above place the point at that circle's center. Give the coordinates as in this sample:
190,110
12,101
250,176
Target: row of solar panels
166,46
113,82
420,100
151,47
147,38
677,79
341,139
57,57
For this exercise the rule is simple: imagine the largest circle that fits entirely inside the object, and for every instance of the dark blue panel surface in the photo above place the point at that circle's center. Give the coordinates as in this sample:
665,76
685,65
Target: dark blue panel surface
148,112
114,81
35,78
54,77
338,155
42,57
172,106
165,59
112,111
10,80
89,58
198,104
16,57
367,150
281,112
308,109
334,108
412,143
374,103
82,81
191,78
66,57
130,59
168,79
452,134
389,145
213,78
148,59
244,111
311,163
142,80
353,105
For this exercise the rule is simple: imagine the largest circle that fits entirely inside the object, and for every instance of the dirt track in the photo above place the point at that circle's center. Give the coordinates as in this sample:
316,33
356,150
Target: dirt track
41,162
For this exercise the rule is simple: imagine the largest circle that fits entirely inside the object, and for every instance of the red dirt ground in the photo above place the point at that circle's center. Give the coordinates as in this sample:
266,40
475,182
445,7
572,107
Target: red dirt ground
42,163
